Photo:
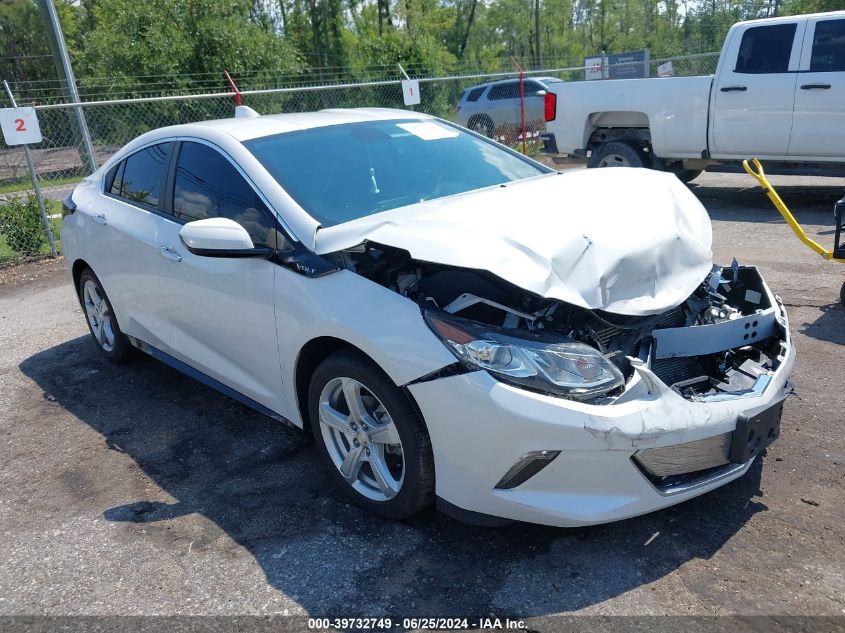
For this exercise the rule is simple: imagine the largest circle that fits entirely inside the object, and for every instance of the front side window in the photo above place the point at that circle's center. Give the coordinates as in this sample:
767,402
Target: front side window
343,172
207,185
142,175
766,49
828,46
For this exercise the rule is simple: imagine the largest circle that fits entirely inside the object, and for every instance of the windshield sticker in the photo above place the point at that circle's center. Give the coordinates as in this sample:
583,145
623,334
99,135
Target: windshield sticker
429,131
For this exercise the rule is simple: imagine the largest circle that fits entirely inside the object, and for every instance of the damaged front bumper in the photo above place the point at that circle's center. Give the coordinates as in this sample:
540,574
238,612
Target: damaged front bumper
587,463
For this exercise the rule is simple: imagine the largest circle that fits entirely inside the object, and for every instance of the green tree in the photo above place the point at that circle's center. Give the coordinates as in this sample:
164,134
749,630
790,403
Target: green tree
180,40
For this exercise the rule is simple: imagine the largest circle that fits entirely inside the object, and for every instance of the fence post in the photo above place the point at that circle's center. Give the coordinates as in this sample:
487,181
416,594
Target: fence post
521,100
65,70
41,209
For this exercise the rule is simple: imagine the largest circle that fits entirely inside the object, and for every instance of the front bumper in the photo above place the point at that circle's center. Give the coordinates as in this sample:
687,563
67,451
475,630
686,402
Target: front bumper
480,427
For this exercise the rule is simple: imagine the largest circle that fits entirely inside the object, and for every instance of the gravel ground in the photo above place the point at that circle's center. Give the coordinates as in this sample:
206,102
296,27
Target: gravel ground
134,490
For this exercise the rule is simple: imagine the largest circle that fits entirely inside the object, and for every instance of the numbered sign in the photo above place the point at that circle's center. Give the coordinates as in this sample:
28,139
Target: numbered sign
20,126
411,91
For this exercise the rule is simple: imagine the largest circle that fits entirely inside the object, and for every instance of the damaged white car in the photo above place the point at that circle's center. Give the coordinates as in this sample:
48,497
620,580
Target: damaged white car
451,320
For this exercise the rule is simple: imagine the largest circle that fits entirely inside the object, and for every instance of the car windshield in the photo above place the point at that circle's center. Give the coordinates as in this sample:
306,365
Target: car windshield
343,172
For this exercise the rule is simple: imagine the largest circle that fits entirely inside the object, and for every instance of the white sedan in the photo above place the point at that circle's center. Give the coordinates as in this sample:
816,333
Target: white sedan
452,321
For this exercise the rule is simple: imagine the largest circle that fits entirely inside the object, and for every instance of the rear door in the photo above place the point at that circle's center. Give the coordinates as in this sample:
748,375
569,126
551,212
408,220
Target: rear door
220,309
818,127
503,104
123,232
754,90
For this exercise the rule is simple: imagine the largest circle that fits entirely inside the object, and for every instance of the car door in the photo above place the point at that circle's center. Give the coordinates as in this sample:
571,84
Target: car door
220,309
818,127
123,233
534,104
754,90
503,104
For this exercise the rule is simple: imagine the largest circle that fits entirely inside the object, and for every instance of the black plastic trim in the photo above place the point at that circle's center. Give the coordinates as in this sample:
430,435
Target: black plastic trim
264,252
470,517
199,376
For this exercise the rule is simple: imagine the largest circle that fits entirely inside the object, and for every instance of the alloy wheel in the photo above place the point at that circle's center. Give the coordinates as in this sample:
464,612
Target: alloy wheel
98,314
361,439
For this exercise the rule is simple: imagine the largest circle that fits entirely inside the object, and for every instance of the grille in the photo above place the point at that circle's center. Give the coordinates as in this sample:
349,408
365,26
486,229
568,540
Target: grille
672,370
673,318
680,459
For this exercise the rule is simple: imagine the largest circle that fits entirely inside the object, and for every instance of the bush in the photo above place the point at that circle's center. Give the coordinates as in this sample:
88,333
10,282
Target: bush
20,223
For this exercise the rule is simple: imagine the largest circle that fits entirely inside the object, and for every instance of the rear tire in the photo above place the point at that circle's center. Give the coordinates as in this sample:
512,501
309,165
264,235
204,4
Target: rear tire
618,154
482,124
101,319
377,449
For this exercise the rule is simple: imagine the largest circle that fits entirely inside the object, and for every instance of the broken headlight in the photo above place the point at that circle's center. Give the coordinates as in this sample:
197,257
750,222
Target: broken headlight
562,368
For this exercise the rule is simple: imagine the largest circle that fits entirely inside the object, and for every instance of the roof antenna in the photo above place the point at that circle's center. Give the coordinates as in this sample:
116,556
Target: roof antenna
241,111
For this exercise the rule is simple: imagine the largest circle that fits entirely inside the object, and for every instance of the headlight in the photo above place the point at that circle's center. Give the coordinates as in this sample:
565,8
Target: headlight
564,368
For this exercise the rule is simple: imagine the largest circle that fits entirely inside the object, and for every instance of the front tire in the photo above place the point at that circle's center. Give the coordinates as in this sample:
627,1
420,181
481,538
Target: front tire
102,322
370,437
618,154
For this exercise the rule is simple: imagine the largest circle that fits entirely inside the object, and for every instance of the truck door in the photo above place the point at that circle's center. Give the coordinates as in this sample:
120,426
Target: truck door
818,127
754,90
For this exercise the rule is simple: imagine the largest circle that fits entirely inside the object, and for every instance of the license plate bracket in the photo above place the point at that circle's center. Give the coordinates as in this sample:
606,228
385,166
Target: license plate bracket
755,430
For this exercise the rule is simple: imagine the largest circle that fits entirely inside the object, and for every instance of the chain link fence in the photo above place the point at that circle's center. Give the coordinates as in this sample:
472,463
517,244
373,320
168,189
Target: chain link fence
61,159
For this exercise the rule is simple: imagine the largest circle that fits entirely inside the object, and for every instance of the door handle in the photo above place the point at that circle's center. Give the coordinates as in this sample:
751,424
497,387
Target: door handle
100,219
815,87
169,253
734,89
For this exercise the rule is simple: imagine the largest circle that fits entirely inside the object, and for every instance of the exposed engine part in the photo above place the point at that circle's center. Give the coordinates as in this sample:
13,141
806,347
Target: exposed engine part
723,308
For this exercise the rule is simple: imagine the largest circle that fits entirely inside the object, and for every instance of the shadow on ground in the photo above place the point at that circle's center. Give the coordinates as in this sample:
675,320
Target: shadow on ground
830,326
264,486
809,205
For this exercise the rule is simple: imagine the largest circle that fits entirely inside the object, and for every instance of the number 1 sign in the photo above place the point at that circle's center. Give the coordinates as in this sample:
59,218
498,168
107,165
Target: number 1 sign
411,91
20,126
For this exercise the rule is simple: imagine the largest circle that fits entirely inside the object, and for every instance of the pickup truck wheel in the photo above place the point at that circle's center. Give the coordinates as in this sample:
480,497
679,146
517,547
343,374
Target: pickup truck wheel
482,124
617,154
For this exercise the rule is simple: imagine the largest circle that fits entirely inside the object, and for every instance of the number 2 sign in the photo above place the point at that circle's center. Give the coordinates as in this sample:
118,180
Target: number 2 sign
20,126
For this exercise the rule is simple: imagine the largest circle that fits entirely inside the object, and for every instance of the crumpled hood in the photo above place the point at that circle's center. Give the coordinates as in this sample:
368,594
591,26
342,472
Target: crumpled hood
629,241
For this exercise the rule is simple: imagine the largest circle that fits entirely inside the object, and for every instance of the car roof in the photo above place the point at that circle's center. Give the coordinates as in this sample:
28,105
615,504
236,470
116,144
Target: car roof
791,18
244,128
508,80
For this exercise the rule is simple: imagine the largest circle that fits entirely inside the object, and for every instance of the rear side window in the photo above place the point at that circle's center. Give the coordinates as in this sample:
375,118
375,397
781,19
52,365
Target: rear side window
828,46
141,176
207,185
766,49
508,90
475,94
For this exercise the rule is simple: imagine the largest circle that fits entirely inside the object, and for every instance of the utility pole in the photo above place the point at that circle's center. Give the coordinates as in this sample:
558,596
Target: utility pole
537,56
60,55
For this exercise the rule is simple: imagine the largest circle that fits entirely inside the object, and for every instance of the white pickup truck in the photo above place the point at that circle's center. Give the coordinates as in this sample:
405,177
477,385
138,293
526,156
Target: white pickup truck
778,94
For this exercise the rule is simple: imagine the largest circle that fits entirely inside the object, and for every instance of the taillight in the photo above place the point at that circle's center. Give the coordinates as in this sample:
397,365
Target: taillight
68,205
550,106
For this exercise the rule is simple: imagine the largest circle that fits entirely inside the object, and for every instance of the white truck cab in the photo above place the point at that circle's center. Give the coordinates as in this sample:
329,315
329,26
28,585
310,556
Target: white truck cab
778,94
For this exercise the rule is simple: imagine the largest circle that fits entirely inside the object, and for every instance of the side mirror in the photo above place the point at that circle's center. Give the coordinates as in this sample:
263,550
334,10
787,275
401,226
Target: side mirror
220,237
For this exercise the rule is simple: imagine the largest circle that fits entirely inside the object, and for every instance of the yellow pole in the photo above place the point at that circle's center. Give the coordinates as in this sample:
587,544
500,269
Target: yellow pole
760,176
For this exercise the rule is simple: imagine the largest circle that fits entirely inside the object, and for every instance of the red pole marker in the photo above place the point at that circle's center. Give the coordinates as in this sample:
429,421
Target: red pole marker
238,99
